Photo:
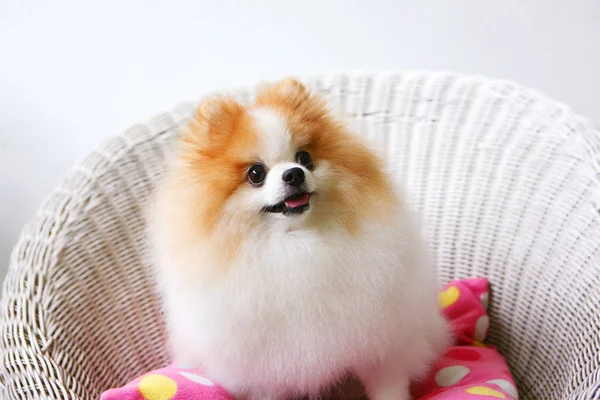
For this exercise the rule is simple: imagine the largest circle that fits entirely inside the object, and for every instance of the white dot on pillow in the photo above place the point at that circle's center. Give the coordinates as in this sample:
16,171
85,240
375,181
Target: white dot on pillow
450,375
197,378
506,386
481,328
485,300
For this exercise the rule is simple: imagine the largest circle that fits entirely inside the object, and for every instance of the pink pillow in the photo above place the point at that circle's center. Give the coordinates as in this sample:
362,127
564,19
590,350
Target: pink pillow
470,370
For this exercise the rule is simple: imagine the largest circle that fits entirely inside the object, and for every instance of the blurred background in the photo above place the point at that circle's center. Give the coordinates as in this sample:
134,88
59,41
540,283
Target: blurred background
73,73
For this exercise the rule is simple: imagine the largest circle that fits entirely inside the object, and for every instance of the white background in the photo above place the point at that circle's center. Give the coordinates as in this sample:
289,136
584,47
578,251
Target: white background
75,72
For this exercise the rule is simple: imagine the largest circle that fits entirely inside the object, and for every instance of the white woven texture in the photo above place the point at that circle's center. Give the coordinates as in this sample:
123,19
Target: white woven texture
507,183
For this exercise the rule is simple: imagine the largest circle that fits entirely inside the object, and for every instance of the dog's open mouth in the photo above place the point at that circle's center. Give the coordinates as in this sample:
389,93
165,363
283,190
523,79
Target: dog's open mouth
291,205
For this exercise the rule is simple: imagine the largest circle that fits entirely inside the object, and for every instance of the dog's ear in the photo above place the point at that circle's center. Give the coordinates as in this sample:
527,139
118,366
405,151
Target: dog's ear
215,120
290,94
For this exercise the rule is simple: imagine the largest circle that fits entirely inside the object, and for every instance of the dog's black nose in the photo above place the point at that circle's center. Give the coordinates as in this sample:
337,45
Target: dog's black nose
293,176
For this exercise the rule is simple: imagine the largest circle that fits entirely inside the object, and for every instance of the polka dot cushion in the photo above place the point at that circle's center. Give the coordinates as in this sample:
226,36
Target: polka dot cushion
470,370
171,383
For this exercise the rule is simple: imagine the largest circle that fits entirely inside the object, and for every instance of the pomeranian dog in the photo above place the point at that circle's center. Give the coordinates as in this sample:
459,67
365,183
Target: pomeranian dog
285,258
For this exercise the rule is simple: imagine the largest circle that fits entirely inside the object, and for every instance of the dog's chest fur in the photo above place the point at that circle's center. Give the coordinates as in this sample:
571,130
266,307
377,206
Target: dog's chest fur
299,309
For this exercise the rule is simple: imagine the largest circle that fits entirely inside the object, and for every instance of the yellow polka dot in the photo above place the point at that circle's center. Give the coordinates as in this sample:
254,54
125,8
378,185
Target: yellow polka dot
448,297
157,387
484,391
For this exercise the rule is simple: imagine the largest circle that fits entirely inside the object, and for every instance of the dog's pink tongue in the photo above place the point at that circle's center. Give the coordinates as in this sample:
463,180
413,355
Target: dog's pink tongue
299,202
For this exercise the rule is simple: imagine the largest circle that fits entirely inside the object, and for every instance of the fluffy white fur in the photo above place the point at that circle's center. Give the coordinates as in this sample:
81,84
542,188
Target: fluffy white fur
301,306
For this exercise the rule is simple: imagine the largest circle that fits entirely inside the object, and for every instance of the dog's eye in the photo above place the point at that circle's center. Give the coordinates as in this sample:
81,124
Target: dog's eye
303,158
257,174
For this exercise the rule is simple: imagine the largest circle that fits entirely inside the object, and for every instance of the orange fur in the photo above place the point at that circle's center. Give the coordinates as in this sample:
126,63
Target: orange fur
218,149
362,188
215,151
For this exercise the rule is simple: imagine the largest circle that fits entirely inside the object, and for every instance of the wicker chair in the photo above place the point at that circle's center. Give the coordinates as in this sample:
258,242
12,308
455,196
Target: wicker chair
507,183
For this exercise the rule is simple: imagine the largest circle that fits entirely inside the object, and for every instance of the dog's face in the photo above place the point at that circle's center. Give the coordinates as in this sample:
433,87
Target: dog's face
278,165
281,177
